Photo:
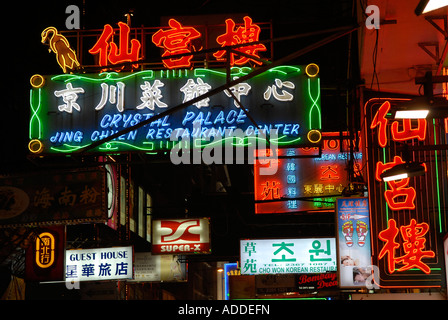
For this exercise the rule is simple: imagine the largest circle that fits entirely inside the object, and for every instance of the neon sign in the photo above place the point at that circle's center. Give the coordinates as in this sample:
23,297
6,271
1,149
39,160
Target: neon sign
65,56
413,246
45,246
406,214
69,112
317,180
247,34
176,40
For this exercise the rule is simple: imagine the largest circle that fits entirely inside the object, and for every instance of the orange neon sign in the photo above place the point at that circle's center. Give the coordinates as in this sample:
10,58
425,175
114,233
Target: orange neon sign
413,246
176,40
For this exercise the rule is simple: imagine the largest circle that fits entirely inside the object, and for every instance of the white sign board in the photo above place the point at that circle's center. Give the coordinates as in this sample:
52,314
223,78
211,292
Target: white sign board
99,264
281,256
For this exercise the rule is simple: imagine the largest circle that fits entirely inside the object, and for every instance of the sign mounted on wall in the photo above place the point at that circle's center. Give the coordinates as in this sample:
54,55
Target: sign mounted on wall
353,240
280,256
70,112
181,236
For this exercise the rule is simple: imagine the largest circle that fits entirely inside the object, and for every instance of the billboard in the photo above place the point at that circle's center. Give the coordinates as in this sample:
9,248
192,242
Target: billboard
72,111
282,256
54,197
99,264
408,216
353,240
181,236
307,179
44,257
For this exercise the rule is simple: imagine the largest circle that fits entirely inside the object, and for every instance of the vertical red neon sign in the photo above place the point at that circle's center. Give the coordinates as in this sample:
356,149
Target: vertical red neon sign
400,188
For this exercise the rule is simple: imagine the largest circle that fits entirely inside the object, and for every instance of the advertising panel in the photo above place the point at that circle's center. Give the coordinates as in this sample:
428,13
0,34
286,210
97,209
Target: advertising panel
60,197
72,111
181,236
114,263
353,239
282,256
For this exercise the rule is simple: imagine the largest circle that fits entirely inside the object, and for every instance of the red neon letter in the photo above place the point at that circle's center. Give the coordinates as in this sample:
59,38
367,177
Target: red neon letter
381,121
108,50
413,245
408,133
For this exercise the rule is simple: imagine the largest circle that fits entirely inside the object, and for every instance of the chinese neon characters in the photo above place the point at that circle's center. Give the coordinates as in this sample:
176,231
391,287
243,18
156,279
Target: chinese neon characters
400,196
177,40
182,40
413,246
108,50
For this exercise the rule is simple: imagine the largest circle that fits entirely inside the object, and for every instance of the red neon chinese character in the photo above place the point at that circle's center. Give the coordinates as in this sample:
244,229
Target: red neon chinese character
271,190
176,40
110,52
400,196
381,121
406,133
247,34
413,246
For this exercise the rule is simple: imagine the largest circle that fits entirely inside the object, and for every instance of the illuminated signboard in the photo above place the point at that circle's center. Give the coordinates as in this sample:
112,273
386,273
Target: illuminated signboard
44,257
54,197
353,239
281,256
181,236
303,174
407,214
158,268
72,111
99,264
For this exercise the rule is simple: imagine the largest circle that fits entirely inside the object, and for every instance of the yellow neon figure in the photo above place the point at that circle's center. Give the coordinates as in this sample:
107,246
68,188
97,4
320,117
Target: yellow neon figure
65,56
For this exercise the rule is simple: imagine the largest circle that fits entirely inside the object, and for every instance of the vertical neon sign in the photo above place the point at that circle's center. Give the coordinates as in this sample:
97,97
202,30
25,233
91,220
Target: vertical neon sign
405,220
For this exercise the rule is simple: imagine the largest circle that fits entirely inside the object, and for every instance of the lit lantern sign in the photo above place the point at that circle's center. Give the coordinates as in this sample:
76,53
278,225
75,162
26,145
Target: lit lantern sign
407,214
305,181
70,112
